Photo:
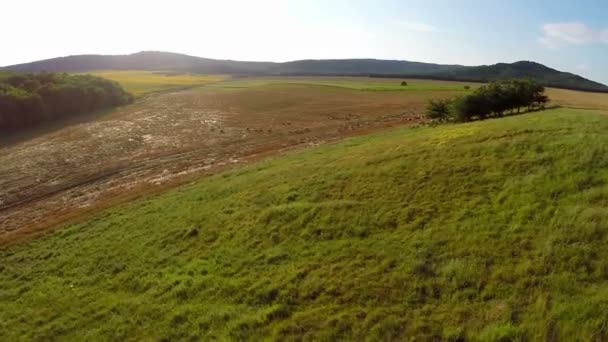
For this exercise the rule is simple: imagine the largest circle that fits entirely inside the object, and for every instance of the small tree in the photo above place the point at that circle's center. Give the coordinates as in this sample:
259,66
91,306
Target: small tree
461,108
438,110
541,100
403,83
492,100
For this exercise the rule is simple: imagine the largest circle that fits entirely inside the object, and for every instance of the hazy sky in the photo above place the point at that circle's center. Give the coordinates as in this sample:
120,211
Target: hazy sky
570,36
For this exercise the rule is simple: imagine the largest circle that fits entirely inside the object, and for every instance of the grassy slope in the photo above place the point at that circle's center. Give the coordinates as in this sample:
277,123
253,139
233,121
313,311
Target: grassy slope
145,82
484,230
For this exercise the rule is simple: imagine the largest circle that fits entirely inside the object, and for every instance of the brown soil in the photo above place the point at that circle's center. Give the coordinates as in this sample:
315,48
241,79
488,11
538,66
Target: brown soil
170,137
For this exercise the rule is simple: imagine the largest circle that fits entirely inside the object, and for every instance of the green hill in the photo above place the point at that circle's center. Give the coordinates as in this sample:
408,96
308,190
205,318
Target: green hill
360,67
523,69
146,60
488,231
164,61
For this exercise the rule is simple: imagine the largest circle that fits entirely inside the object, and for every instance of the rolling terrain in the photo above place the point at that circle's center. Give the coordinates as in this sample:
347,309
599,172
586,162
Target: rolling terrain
164,61
487,231
301,227
167,137
60,173
336,182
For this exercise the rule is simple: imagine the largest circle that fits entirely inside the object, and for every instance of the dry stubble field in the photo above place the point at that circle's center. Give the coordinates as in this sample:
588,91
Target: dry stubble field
171,137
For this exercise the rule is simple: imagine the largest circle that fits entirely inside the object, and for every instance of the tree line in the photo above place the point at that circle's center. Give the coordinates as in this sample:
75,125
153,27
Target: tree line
492,100
28,100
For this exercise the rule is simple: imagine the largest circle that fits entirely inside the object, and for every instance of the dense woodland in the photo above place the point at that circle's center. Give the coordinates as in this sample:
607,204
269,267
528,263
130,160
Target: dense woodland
492,100
28,100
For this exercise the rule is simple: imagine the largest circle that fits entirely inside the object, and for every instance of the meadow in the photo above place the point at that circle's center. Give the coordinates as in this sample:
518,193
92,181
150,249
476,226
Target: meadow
487,231
484,231
141,83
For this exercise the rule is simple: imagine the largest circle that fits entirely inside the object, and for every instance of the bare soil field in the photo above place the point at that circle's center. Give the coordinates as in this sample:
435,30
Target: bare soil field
164,138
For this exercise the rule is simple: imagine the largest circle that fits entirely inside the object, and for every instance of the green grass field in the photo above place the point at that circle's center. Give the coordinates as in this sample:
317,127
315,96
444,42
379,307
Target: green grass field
145,82
487,231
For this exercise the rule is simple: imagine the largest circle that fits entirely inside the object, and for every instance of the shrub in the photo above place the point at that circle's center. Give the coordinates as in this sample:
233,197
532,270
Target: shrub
466,87
403,83
438,110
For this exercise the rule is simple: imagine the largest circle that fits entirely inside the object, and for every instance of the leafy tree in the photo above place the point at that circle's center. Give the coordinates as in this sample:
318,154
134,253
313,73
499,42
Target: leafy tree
458,109
463,108
496,99
541,100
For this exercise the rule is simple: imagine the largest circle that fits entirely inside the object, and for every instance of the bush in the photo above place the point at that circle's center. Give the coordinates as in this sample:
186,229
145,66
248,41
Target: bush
466,87
438,110
403,83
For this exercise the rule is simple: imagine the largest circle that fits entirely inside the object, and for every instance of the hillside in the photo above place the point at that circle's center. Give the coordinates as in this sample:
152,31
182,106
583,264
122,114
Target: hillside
163,61
359,67
489,231
522,69
146,61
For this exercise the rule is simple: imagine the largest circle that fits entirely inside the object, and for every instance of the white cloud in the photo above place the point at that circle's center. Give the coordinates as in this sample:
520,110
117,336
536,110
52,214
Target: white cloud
583,67
556,35
417,26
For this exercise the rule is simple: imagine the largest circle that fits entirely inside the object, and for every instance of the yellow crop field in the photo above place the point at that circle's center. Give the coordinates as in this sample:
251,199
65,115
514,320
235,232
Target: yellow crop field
145,82
578,99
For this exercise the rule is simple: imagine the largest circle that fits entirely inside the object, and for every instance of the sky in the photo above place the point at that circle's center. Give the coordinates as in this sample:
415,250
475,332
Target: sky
566,35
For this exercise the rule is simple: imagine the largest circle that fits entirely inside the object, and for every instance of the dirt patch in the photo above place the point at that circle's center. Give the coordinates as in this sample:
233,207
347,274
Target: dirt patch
171,136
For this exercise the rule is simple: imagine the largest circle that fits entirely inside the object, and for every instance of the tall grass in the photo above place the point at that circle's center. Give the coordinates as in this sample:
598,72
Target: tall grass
486,231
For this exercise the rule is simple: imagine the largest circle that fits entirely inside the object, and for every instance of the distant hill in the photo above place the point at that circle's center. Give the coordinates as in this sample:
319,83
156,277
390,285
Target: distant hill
165,61
523,69
360,67
147,60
